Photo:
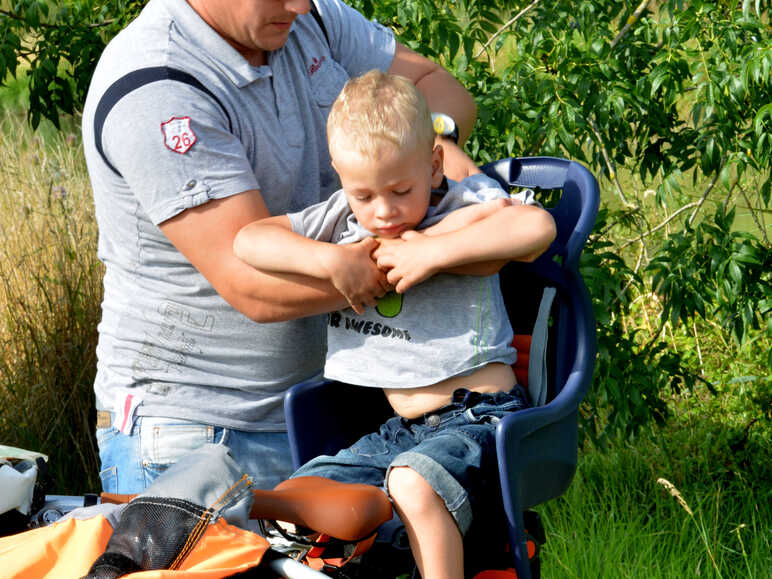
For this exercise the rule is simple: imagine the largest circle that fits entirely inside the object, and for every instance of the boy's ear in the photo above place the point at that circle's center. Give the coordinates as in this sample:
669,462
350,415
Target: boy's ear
438,156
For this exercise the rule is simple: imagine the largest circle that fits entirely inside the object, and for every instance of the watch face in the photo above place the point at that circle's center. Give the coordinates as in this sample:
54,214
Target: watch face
443,124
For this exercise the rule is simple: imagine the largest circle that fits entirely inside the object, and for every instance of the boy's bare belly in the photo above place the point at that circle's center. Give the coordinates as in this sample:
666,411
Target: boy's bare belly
415,402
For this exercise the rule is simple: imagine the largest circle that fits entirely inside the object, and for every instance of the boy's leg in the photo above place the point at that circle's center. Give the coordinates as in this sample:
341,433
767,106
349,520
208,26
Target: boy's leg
453,467
366,461
434,537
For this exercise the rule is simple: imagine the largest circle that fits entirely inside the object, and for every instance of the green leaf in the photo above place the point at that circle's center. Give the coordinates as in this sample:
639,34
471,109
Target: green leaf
735,273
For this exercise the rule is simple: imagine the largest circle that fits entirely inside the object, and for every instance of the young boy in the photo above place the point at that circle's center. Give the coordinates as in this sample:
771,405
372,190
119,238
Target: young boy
439,345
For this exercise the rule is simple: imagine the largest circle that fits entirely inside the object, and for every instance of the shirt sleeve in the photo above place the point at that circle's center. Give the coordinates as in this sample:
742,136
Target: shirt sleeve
356,43
173,147
325,221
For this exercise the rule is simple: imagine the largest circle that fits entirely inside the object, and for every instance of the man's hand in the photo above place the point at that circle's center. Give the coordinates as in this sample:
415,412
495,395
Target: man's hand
409,259
352,270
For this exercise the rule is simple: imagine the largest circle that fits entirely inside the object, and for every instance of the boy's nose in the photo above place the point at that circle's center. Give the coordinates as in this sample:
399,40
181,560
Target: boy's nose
384,210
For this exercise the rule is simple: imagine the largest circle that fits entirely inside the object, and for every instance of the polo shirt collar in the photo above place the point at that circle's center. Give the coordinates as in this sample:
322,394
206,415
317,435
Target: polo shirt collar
229,60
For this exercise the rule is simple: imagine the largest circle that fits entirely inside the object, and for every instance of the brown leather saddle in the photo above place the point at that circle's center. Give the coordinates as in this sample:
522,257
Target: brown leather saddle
349,512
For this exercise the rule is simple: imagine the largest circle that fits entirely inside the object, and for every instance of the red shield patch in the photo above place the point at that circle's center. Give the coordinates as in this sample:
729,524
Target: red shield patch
178,134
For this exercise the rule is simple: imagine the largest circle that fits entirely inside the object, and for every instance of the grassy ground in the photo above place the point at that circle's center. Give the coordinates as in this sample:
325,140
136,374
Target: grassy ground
616,520
690,499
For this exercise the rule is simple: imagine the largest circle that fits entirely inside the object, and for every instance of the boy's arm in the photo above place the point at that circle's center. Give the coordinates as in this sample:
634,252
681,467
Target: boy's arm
464,216
271,246
513,233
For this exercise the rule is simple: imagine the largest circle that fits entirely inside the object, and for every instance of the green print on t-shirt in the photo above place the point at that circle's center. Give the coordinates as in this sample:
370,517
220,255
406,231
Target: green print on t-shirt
390,305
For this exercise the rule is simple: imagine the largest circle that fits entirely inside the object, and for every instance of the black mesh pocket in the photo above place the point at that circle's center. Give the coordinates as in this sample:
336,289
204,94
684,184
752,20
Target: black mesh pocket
154,533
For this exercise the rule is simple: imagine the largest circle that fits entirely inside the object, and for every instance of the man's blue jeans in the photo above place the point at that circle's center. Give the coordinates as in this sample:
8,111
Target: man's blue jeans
130,463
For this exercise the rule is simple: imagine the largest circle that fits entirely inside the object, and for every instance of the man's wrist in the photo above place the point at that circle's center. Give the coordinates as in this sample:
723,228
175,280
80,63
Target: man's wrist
445,127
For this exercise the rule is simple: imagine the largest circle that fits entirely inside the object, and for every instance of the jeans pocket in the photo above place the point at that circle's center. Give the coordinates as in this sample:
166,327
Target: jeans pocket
108,457
163,441
105,435
109,478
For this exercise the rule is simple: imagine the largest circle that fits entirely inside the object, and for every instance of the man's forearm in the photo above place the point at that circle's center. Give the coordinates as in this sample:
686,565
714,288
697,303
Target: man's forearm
446,95
277,297
441,90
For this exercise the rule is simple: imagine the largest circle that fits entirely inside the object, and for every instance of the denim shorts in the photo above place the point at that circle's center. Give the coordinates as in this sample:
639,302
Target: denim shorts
131,462
452,448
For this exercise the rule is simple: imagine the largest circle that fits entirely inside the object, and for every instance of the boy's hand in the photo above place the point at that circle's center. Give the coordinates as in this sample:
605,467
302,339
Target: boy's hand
408,260
354,273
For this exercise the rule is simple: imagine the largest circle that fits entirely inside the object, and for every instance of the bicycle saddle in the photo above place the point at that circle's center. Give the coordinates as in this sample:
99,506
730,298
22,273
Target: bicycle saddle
345,511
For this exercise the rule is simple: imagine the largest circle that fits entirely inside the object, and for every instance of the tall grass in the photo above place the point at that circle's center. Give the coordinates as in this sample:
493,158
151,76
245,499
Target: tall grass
50,291
690,499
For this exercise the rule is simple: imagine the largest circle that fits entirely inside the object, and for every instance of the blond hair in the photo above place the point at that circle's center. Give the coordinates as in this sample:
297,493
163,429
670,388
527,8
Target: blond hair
378,109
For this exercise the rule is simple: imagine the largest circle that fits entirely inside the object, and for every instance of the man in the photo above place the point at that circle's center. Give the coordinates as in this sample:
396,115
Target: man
203,116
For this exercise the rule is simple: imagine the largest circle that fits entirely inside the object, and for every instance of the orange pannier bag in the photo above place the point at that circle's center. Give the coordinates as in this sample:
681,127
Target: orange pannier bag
67,549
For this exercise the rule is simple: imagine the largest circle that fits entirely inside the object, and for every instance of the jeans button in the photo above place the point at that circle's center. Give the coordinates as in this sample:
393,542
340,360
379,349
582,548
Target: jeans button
433,420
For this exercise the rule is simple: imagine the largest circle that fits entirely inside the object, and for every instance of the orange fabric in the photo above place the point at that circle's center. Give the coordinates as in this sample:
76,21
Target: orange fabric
64,549
531,545
522,343
68,549
497,574
316,560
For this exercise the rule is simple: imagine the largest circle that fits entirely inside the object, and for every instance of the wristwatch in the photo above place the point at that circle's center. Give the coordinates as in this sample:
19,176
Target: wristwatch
445,126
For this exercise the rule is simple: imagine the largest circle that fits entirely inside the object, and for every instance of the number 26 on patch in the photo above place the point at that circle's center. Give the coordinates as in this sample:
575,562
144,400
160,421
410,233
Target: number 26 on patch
178,134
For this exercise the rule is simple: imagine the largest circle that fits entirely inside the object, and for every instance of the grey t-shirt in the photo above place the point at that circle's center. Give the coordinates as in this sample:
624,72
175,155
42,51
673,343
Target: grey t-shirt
166,336
447,326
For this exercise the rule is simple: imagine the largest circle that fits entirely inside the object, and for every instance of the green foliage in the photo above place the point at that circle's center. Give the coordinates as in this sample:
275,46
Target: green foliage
59,43
716,273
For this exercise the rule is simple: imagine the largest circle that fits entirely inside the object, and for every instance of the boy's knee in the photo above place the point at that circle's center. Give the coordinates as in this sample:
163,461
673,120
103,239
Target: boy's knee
409,490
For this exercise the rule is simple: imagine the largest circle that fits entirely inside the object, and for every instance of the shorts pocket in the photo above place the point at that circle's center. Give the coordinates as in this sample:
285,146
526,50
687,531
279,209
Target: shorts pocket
492,411
370,445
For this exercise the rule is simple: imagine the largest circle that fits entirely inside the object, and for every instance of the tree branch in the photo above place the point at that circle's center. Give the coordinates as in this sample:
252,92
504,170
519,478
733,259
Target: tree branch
609,166
634,17
509,23
754,216
708,189
660,226
696,205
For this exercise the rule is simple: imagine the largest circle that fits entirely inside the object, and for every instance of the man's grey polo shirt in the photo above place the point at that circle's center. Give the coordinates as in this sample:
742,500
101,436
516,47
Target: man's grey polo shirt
166,336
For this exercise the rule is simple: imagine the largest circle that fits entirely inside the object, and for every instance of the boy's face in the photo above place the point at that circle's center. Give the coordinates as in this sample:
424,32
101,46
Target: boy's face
390,194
